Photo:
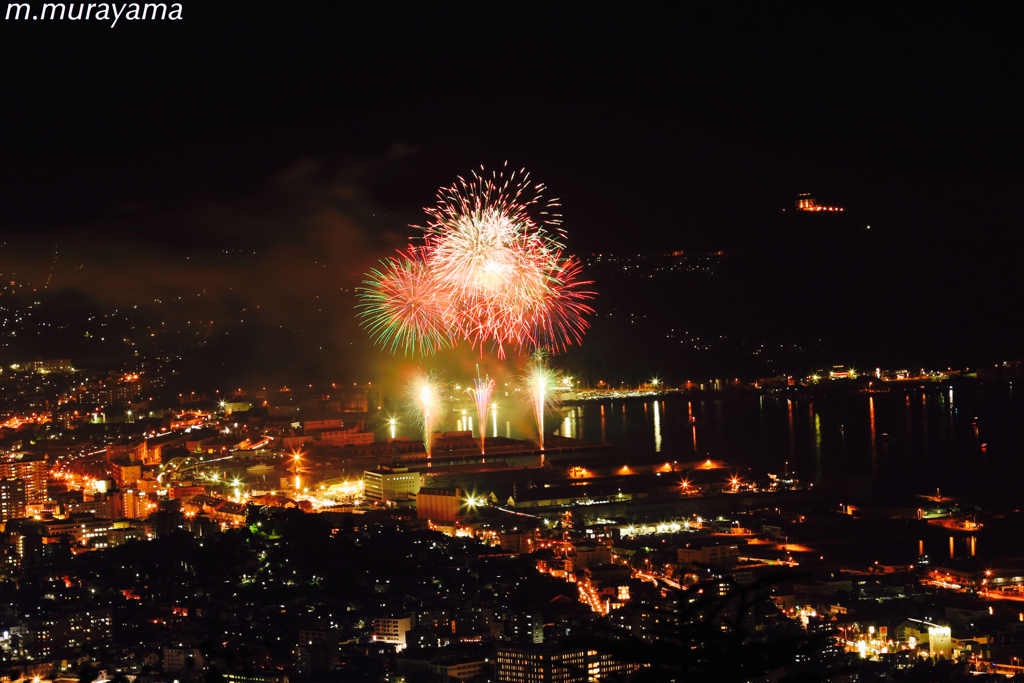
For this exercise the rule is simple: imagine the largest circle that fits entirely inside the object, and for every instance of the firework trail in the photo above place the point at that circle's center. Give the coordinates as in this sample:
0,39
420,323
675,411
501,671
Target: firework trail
488,272
481,392
538,383
428,402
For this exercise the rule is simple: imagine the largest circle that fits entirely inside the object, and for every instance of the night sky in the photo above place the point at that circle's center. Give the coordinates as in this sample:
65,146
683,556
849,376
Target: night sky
269,153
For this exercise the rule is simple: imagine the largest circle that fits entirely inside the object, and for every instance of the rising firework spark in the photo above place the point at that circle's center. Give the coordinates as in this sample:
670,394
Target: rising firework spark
538,382
488,272
428,402
481,392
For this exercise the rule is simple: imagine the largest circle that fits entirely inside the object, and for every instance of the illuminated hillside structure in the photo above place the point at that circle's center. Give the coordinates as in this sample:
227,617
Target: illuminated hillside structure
805,202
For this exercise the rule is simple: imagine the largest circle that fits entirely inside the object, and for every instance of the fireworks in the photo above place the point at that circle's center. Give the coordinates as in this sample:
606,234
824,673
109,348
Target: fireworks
401,308
488,272
481,392
538,381
428,397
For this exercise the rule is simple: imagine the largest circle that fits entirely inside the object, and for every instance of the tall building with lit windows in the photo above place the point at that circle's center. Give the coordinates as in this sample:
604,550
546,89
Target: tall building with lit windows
30,468
554,664
12,499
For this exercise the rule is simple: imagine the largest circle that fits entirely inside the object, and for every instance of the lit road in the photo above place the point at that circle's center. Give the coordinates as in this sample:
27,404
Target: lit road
1003,596
655,579
589,596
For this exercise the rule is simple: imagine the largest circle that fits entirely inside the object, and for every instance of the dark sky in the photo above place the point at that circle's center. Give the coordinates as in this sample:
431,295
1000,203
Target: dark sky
312,135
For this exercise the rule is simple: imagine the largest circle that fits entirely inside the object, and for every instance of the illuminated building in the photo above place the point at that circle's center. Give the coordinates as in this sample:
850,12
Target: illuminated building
218,509
177,659
938,636
156,446
31,469
317,650
108,393
940,641
103,507
137,505
829,651
314,657
29,545
12,499
516,542
526,627
712,552
320,425
355,400
729,588
255,678
126,474
47,366
544,663
223,444
589,554
83,529
133,451
1006,372
186,492
804,202
438,505
288,411
392,630
390,483
60,632
123,532
442,667
344,437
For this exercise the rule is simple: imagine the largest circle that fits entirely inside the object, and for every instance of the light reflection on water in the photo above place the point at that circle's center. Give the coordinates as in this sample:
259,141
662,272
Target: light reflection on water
903,443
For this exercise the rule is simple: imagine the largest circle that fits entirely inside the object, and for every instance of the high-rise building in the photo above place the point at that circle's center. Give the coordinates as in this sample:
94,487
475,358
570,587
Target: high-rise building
12,499
32,469
138,505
